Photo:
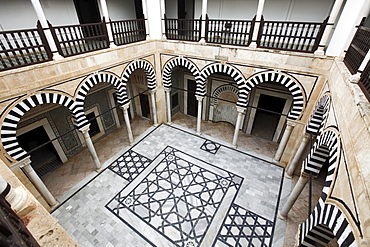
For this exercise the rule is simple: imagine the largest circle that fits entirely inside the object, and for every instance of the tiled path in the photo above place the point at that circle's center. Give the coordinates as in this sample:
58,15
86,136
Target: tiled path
174,188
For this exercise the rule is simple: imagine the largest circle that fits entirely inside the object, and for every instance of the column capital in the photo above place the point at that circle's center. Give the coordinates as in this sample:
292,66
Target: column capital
85,129
199,98
153,90
240,109
24,162
125,106
290,123
167,89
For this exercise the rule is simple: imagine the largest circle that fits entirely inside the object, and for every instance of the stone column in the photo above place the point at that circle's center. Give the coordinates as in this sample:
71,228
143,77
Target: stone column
356,77
104,7
44,24
257,25
163,12
199,117
128,124
284,141
203,27
168,103
329,27
17,197
302,181
90,145
237,125
145,11
154,107
36,180
297,156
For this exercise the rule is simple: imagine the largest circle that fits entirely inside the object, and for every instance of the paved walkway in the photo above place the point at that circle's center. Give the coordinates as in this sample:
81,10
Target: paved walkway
174,188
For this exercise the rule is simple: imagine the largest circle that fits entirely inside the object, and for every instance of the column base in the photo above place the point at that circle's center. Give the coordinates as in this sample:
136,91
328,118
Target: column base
202,41
275,161
156,125
57,56
253,45
112,45
199,133
169,123
286,175
234,146
319,52
281,216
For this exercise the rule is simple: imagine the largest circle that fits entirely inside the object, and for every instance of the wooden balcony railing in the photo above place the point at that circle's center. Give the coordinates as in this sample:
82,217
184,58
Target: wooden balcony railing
358,49
125,32
183,29
291,36
24,47
229,32
77,39
364,82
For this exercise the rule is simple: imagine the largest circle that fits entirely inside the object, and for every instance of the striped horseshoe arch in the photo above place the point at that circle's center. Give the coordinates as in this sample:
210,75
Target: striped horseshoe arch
139,64
288,82
181,61
326,221
229,70
91,81
318,118
11,120
326,146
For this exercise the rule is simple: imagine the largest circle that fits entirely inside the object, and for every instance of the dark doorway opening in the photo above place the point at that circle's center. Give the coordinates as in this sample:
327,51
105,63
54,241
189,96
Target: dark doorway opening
87,11
191,100
145,108
265,122
45,159
94,126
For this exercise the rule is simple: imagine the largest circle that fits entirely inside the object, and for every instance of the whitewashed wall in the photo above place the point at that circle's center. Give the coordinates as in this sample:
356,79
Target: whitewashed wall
19,14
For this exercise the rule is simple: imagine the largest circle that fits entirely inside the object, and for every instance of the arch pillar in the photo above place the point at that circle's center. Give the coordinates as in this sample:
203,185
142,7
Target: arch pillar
85,131
237,125
297,156
199,116
128,124
284,140
25,164
168,104
302,181
154,107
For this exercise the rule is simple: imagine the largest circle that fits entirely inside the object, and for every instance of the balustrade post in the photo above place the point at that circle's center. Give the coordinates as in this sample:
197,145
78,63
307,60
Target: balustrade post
237,125
45,27
329,27
356,77
257,24
284,141
90,145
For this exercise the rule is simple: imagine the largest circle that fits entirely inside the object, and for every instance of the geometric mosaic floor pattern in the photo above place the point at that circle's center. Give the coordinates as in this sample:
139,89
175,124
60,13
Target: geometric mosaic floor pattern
173,188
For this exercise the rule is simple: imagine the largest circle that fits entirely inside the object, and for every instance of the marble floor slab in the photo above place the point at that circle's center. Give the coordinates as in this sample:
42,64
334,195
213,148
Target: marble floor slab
175,188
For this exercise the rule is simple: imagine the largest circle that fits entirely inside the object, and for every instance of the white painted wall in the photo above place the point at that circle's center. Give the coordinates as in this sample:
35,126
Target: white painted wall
19,14
121,9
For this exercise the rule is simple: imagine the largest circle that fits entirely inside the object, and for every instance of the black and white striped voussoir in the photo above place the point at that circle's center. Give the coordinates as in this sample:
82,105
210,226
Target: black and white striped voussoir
144,65
324,217
9,127
318,118
181,61
290,84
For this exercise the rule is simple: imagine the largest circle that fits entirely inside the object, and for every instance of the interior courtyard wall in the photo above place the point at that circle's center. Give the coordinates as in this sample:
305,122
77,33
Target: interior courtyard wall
352,114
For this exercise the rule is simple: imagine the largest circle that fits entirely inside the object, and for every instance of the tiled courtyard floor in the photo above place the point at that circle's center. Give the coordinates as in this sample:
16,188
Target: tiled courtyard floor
174,188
